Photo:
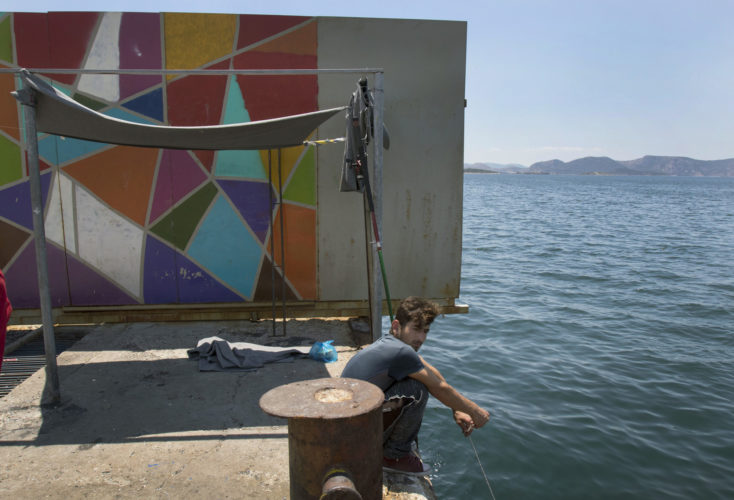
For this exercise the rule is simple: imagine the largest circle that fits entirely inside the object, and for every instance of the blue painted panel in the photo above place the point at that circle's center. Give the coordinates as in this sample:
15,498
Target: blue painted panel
225,247
150,104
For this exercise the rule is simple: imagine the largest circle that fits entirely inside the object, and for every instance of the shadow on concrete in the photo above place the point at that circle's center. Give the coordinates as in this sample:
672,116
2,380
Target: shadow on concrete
163,400
139,337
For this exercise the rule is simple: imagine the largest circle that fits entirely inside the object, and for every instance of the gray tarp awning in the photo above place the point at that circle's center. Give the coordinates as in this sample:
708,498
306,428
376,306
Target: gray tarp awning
58,114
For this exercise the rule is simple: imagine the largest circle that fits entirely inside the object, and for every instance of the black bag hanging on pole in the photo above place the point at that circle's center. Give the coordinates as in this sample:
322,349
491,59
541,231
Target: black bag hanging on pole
359,131
354,137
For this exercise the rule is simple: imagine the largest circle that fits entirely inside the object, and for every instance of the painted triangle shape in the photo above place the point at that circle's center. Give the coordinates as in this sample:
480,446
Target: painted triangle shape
252,200
150,104
178,175
303,41
179,225
58,150
12,239
206,109
243,164
122,177
6,47
266,284
89,102
254,28
104,53
69,35
302,184
89,288
22,278
15,201
140,48
171,278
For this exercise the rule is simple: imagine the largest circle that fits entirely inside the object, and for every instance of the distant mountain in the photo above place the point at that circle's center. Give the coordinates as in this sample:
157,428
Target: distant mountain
495,167
678,165
647,165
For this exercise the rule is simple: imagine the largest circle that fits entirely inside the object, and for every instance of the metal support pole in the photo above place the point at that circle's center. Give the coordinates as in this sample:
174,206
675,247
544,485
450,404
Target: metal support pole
272,234
376,312
282,238
281,216
372,283
51,393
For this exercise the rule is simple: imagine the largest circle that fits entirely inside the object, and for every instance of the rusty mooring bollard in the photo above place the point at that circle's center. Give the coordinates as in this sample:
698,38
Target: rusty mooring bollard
334,437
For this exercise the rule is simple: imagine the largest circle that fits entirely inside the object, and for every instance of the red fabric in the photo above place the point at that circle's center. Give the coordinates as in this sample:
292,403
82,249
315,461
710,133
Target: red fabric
5,310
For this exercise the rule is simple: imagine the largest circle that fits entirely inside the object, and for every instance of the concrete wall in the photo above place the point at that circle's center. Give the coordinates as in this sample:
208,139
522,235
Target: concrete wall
424,63
133,226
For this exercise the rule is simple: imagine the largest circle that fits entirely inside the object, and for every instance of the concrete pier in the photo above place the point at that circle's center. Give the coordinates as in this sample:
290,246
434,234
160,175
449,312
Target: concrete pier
137,418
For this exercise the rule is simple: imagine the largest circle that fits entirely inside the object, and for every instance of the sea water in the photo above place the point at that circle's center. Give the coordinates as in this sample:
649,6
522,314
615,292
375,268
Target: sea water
599,337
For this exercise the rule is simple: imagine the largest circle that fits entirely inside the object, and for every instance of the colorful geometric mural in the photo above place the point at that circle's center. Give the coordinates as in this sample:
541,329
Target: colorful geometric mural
127,225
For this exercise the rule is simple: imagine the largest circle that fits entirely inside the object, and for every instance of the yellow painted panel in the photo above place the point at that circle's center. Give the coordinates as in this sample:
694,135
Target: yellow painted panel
194,40
288,159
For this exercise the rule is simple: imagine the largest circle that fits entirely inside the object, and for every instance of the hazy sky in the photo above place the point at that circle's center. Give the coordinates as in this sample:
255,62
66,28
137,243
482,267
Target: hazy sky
555,79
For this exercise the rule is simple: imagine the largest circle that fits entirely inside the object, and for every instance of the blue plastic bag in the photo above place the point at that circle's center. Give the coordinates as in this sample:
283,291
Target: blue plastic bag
323,351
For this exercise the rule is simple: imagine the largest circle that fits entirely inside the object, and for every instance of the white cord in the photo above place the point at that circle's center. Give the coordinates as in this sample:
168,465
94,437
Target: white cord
480,466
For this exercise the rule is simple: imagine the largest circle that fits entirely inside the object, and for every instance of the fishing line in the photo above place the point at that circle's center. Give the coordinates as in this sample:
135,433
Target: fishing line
481,467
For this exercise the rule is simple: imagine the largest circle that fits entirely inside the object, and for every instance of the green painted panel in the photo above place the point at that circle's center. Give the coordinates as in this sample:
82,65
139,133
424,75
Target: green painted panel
6,41
89,102
178,226
302,186
11,168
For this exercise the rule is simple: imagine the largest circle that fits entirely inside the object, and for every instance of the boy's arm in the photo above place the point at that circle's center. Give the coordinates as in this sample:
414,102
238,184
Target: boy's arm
444,392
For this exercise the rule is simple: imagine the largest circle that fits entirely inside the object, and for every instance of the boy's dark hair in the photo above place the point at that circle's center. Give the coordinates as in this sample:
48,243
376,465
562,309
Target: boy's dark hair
418,310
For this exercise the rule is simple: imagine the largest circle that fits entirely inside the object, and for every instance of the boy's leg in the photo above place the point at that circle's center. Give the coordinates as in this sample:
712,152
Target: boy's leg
398,437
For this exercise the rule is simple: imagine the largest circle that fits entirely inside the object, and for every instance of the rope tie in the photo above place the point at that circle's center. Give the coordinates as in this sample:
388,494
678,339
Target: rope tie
481,467
321,142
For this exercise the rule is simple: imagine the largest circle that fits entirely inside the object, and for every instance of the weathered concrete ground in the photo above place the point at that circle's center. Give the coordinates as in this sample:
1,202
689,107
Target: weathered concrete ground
138,420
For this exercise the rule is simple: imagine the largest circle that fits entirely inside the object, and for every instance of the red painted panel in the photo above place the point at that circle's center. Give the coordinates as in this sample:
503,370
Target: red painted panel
198,100
42,165
69,36
278,95
255,28
31,40
8,106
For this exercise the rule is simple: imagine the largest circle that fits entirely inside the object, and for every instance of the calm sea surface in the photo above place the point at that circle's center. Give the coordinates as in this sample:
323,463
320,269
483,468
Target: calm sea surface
600,338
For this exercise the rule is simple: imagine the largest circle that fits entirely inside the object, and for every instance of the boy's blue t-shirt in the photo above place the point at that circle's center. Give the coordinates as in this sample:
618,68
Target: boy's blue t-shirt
384,362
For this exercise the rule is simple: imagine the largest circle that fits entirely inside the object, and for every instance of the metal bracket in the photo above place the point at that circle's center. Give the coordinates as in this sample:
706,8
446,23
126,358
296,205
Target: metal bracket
25,96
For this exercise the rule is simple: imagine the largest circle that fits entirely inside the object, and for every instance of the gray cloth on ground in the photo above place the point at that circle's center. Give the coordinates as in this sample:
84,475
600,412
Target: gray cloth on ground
216,355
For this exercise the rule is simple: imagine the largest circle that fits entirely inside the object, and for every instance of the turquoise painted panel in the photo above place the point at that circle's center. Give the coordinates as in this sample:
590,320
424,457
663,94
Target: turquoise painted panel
226,248
121,114
56,150
242,164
